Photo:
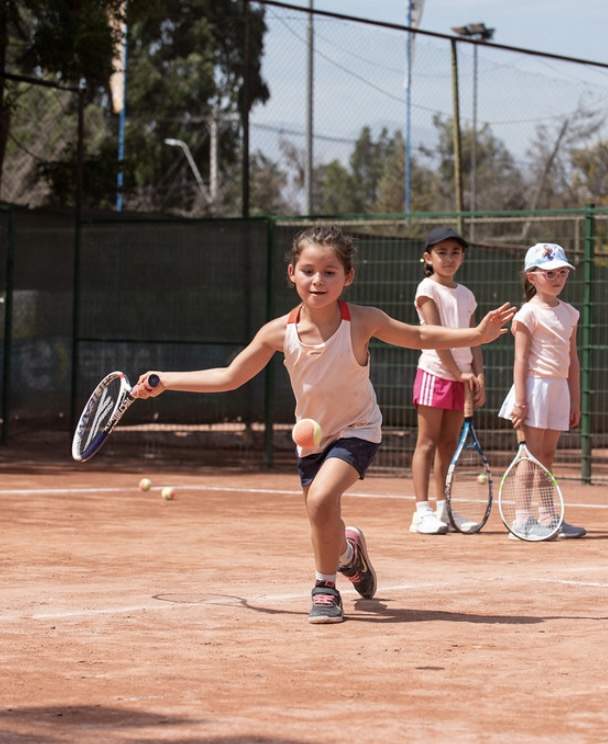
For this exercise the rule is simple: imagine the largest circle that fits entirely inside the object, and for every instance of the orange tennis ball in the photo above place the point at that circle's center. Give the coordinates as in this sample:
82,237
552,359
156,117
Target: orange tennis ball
307,433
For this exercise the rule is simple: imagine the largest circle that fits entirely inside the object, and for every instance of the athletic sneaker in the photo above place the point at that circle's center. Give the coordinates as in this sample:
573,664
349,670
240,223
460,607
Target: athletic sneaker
326,605
532,530
360,571
427,523
566,530
466,525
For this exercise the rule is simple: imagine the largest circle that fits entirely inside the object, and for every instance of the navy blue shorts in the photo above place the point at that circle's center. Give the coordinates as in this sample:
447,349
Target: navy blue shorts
356,452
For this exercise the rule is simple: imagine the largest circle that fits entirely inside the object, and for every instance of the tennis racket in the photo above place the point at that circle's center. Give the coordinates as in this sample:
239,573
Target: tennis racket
104,409
529,499
468,485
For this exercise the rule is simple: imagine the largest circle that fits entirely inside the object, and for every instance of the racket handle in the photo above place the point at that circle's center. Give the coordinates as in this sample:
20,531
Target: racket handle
468,400
153,381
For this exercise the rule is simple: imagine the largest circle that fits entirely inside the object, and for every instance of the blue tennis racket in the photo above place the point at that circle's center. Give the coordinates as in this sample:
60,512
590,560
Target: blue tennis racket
468,485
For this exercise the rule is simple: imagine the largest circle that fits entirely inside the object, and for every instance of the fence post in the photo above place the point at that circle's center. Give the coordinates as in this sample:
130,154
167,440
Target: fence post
78,197
587,325
8,326
269,376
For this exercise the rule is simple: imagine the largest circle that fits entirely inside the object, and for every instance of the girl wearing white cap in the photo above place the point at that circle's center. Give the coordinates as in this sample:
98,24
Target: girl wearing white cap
545,397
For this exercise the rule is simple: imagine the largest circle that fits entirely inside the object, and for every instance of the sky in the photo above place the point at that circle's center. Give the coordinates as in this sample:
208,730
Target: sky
555,26
360,71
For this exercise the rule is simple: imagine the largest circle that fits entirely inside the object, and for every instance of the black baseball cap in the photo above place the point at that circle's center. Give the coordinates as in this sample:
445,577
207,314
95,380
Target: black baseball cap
437,234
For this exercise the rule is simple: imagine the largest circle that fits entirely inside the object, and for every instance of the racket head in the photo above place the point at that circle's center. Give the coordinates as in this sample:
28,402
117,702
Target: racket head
530,501
468,486
101,413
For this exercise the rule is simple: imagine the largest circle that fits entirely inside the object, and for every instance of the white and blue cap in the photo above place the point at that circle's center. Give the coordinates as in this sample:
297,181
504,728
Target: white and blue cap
546,256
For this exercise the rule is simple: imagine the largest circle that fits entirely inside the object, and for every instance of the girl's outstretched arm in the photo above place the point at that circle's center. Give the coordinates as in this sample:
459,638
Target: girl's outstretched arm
246,365
380,325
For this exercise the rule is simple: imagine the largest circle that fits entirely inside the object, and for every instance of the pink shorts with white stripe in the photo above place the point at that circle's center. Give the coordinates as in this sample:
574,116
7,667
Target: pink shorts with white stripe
436,392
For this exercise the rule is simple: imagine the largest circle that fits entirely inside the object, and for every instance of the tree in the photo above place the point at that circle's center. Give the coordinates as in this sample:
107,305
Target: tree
499,182
187,68
187,63
590,174
269,187
551,155
68,41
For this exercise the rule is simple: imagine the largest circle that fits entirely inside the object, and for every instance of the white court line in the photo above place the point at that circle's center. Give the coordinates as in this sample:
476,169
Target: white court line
601,584
161,605
231,489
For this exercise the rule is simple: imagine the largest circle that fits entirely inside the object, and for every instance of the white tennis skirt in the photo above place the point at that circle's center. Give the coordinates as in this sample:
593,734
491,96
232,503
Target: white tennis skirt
548,400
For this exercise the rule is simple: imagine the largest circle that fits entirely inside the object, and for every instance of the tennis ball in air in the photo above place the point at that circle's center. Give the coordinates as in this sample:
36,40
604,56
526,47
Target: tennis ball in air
307,433
482,478
168,493
145,484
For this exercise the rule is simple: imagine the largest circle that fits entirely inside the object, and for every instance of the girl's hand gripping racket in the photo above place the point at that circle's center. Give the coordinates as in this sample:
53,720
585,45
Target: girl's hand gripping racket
104,409
530,500
468,486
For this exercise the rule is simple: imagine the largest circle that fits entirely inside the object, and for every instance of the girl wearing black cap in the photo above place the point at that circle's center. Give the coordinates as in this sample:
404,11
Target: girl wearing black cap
442,375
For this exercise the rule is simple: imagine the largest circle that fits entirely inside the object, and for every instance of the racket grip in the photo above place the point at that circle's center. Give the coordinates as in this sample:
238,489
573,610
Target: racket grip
153,381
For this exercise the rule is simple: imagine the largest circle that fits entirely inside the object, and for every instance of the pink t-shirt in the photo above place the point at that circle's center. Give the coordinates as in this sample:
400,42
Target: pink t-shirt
551,329
456,306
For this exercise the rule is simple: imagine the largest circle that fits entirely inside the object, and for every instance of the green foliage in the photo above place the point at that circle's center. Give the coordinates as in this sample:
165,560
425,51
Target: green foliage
186,61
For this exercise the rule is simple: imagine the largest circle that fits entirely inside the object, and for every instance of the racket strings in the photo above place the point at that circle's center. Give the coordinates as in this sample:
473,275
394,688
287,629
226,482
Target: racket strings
529,497
469,490
96,415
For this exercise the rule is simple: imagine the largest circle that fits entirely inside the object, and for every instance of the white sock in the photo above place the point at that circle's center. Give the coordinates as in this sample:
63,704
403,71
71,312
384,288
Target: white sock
347,557
441,508
545,513
331,578
422,506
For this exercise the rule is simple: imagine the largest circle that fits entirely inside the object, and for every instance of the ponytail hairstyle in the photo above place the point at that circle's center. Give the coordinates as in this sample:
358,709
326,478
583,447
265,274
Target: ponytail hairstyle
528,287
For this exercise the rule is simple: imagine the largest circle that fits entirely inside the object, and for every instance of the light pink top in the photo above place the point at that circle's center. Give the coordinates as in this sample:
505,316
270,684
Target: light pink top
456,306
331,386
551,329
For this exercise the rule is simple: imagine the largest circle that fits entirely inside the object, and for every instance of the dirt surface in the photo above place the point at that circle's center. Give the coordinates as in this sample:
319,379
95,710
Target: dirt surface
128,618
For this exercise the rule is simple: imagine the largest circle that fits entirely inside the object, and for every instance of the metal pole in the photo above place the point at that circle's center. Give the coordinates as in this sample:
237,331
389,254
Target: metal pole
480,32
587,345
308,172
194,168
457,138
408,114
121,125
245,186
474,148
214,153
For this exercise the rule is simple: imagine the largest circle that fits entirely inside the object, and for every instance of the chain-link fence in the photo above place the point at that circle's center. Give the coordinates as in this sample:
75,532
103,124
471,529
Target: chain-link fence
191,294
351,126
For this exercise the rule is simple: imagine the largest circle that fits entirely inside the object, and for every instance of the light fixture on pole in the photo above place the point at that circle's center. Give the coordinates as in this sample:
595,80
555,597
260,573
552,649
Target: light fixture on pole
197,174
479,32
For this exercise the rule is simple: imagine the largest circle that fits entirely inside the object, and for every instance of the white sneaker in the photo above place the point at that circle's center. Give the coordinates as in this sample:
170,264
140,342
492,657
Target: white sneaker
426,523
465,525
532,529
567,530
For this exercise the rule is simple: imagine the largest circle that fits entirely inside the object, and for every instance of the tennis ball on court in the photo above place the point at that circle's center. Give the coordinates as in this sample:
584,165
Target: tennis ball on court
145,484
307,433
168,493
482,478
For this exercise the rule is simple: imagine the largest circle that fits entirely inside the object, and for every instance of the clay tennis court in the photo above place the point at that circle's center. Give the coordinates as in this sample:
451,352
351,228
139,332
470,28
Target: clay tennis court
127,618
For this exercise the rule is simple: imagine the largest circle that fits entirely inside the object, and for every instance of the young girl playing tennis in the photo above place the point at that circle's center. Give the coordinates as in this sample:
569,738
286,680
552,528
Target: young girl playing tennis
441,376
325,344
545,397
